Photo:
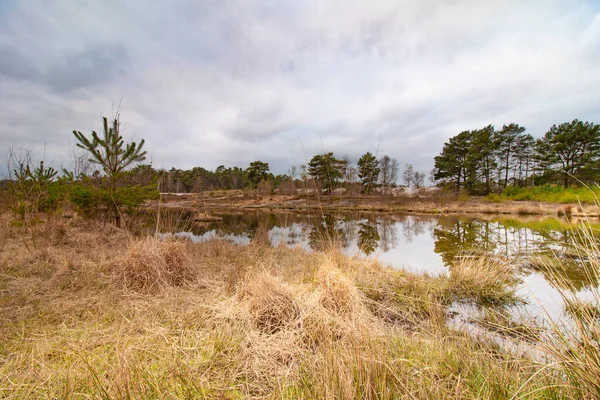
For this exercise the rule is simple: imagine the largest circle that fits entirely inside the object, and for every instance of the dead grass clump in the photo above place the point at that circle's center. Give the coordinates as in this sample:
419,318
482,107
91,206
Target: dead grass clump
336,311
150,264
339,294
261,237
484,279
271,304
574,344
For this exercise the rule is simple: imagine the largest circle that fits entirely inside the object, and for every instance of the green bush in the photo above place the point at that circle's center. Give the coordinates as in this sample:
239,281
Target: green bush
90,201
548,193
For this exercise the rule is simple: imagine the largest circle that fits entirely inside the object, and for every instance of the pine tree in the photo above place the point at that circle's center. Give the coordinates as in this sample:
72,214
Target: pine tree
572,150
327,170
368,171
114,155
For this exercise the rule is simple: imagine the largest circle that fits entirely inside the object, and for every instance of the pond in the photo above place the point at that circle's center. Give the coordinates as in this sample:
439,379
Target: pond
424,244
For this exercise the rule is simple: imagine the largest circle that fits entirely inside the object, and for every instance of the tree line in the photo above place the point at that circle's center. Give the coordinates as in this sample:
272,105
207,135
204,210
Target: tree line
323,172
487,160
103,180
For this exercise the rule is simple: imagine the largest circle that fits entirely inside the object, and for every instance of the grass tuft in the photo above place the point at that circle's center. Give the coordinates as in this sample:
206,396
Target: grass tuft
271,303
149,265
484,279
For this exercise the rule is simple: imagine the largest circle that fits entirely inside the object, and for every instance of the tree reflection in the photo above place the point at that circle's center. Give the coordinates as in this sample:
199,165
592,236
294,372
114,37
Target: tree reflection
552,241
367,237
454,236
413,226
518,239
387,233
325,232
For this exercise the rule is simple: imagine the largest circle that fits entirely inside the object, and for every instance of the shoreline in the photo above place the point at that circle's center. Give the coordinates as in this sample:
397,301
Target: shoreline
426,205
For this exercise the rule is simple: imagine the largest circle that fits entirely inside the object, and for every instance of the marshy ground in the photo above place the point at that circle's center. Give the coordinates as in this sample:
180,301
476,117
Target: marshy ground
90,311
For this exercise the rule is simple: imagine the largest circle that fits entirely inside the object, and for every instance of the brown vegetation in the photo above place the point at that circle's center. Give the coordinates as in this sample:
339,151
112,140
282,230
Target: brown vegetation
423,201
89,311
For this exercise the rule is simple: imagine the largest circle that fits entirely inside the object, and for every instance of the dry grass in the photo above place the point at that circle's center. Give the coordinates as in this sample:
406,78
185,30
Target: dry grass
574,342
150,265
100,315
271,304
489,280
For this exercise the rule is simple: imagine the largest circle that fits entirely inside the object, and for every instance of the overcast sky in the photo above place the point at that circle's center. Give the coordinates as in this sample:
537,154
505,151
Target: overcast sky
217,82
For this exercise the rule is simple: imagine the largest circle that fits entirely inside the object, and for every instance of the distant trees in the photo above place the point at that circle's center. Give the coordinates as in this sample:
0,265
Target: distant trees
484,160
507,142
410,176
258,171
481,162
199,179
350,171
524,159
451,164
572,150
407,175
368,171
388,172
478,161
327,170
418,179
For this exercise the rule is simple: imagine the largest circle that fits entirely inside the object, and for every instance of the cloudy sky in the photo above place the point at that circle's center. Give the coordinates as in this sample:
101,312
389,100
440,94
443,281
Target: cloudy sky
228,82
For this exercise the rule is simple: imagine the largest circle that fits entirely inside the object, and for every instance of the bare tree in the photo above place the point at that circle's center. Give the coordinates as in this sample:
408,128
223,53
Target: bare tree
350,172
432,179
293,172
408,175
388,173
80,164
418,179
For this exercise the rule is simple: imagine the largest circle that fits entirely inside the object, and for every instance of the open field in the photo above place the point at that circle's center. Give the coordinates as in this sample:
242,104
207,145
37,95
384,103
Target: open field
90,311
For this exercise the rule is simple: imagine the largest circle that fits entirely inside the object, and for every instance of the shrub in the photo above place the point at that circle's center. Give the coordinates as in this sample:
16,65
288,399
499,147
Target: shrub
265,188
90,200
550,193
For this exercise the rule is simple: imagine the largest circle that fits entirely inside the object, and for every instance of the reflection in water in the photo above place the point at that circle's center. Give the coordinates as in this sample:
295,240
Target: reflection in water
421,243
388,235
325,231
368,237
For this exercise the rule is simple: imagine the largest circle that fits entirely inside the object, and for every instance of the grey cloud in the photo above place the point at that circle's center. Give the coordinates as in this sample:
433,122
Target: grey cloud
225,82
14,64
93,66
260,122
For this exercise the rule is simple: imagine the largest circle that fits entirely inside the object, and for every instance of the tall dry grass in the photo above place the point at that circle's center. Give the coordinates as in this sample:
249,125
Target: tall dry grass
151,264
574,341
487,279
96,313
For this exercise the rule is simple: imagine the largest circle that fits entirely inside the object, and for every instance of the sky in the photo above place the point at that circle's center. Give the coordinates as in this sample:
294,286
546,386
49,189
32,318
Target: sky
220,82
